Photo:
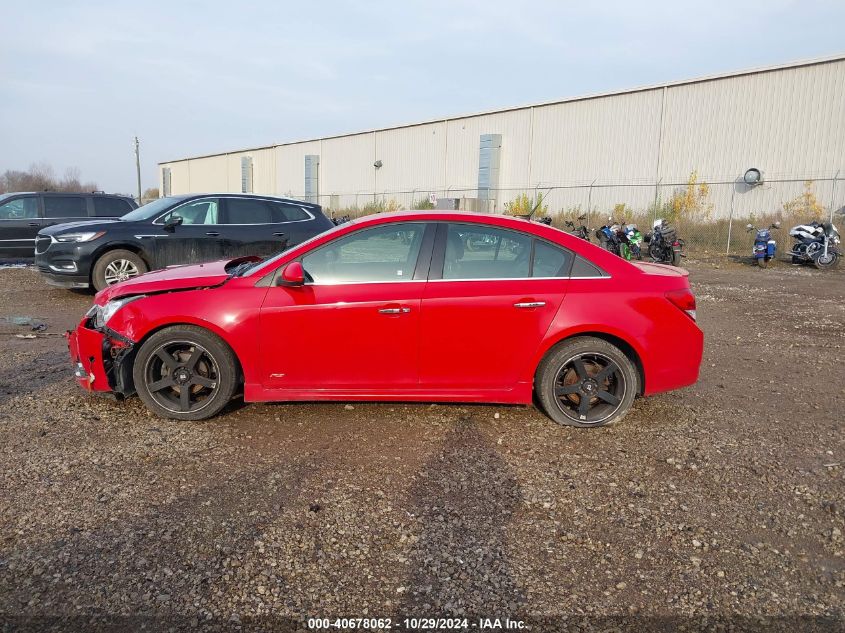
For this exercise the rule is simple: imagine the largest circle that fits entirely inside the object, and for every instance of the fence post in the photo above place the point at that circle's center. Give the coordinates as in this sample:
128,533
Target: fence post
833,195
654,204
731,219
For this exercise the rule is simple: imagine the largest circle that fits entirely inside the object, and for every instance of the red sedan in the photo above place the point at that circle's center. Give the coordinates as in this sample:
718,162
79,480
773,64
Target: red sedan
413,306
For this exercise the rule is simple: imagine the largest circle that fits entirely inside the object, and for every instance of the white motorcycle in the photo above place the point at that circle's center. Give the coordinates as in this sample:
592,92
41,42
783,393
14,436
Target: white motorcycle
815,243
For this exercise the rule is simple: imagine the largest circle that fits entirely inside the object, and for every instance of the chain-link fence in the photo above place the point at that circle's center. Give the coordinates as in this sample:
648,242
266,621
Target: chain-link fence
710,216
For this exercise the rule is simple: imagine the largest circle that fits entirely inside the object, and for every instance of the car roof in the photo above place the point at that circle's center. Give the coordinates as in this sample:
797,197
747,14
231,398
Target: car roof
496,219
235,194
64,193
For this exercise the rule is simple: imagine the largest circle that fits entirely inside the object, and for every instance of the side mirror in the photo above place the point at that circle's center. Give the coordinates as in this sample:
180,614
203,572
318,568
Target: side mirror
172,222
292,275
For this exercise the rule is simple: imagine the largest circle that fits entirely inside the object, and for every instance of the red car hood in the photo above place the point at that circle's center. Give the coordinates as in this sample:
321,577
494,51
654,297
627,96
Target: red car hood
173,278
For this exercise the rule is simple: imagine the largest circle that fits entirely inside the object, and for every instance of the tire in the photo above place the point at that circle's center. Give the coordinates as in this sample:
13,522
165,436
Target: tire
831,262
559,385
763,262
118,263
796,260
676,258
199,360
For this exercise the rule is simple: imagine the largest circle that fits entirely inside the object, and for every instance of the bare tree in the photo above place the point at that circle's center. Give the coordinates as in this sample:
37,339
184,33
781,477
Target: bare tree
40,177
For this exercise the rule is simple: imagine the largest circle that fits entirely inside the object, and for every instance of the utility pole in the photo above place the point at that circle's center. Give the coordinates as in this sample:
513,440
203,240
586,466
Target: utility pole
138,169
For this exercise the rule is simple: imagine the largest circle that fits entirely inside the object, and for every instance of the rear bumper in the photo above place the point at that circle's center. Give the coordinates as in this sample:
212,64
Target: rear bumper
677,365
99,361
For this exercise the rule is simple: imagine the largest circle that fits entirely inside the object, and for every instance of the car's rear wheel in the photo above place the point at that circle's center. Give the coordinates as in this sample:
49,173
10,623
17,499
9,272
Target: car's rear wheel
115,266
185,372
586,382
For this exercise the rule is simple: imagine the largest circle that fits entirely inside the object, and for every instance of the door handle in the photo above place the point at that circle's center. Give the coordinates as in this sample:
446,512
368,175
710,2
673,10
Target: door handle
394,310
34,224
279,234
212,233
529,304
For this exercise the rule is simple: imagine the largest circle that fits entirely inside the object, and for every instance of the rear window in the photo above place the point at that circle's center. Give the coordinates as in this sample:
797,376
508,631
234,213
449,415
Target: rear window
65,207
111,207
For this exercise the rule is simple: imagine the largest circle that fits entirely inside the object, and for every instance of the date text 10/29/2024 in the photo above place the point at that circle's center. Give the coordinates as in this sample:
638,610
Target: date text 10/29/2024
416,624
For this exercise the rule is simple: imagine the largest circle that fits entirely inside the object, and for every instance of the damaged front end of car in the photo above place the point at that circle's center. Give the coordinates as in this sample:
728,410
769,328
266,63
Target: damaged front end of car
102,357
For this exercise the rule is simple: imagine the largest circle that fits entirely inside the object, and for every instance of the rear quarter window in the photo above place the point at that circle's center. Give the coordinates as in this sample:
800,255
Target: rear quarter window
583,268
288,212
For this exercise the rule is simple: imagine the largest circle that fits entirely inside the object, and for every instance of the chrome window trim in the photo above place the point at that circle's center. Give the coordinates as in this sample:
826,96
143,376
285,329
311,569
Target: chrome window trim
23,239
406,281
518,278
369,283
310,215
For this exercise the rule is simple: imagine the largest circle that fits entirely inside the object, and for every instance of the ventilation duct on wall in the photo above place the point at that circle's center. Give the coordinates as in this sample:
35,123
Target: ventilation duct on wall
246,174
165,181
312,178
488,169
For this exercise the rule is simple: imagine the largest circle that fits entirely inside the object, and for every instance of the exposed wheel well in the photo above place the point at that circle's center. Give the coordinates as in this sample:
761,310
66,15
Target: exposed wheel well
622,344
129,360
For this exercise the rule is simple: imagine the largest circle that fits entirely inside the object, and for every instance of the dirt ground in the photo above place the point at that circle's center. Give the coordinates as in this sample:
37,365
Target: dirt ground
719,507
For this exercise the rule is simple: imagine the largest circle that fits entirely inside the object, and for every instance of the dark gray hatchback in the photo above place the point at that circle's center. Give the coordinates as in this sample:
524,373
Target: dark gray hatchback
23,214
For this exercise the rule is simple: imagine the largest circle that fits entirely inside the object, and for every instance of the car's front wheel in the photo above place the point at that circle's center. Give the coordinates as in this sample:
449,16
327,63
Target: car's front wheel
115,266
586,382
185,372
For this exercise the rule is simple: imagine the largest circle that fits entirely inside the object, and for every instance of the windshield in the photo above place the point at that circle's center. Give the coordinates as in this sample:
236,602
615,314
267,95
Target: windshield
152,209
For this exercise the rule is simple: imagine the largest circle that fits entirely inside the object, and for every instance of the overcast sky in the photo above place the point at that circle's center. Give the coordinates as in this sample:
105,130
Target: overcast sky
78,80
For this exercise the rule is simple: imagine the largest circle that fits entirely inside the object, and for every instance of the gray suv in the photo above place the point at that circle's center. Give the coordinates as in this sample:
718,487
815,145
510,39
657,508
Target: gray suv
22,215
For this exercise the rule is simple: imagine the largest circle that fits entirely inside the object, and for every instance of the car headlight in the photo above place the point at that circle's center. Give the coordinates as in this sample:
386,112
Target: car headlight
82,236
103,314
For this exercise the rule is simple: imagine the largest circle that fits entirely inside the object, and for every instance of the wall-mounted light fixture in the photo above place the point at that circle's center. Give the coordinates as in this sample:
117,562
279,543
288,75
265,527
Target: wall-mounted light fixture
753,177
377,164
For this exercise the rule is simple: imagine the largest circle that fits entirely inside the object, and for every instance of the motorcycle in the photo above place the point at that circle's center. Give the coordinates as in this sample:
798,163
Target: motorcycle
664,245
341,220
610,237
580,231
633,246
764,247
816,243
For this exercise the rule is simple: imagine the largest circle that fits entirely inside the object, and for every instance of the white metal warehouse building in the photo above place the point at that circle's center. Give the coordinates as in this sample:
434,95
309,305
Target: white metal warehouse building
632,146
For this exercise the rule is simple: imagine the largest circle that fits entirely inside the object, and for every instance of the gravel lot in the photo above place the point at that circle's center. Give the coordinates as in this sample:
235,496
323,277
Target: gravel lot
719,506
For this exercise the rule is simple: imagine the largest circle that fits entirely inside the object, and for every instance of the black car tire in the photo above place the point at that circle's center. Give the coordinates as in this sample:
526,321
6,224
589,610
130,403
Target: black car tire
185,359
115,258
559,385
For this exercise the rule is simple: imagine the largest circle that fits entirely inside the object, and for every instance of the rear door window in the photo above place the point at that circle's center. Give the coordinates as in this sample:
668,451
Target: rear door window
111,207
65,207
483,252
550,261
246,211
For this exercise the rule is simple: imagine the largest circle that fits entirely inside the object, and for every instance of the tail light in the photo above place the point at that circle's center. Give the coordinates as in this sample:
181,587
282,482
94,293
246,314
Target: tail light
683,299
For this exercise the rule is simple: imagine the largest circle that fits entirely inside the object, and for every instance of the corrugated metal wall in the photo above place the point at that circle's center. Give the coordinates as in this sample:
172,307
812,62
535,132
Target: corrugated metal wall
789,122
